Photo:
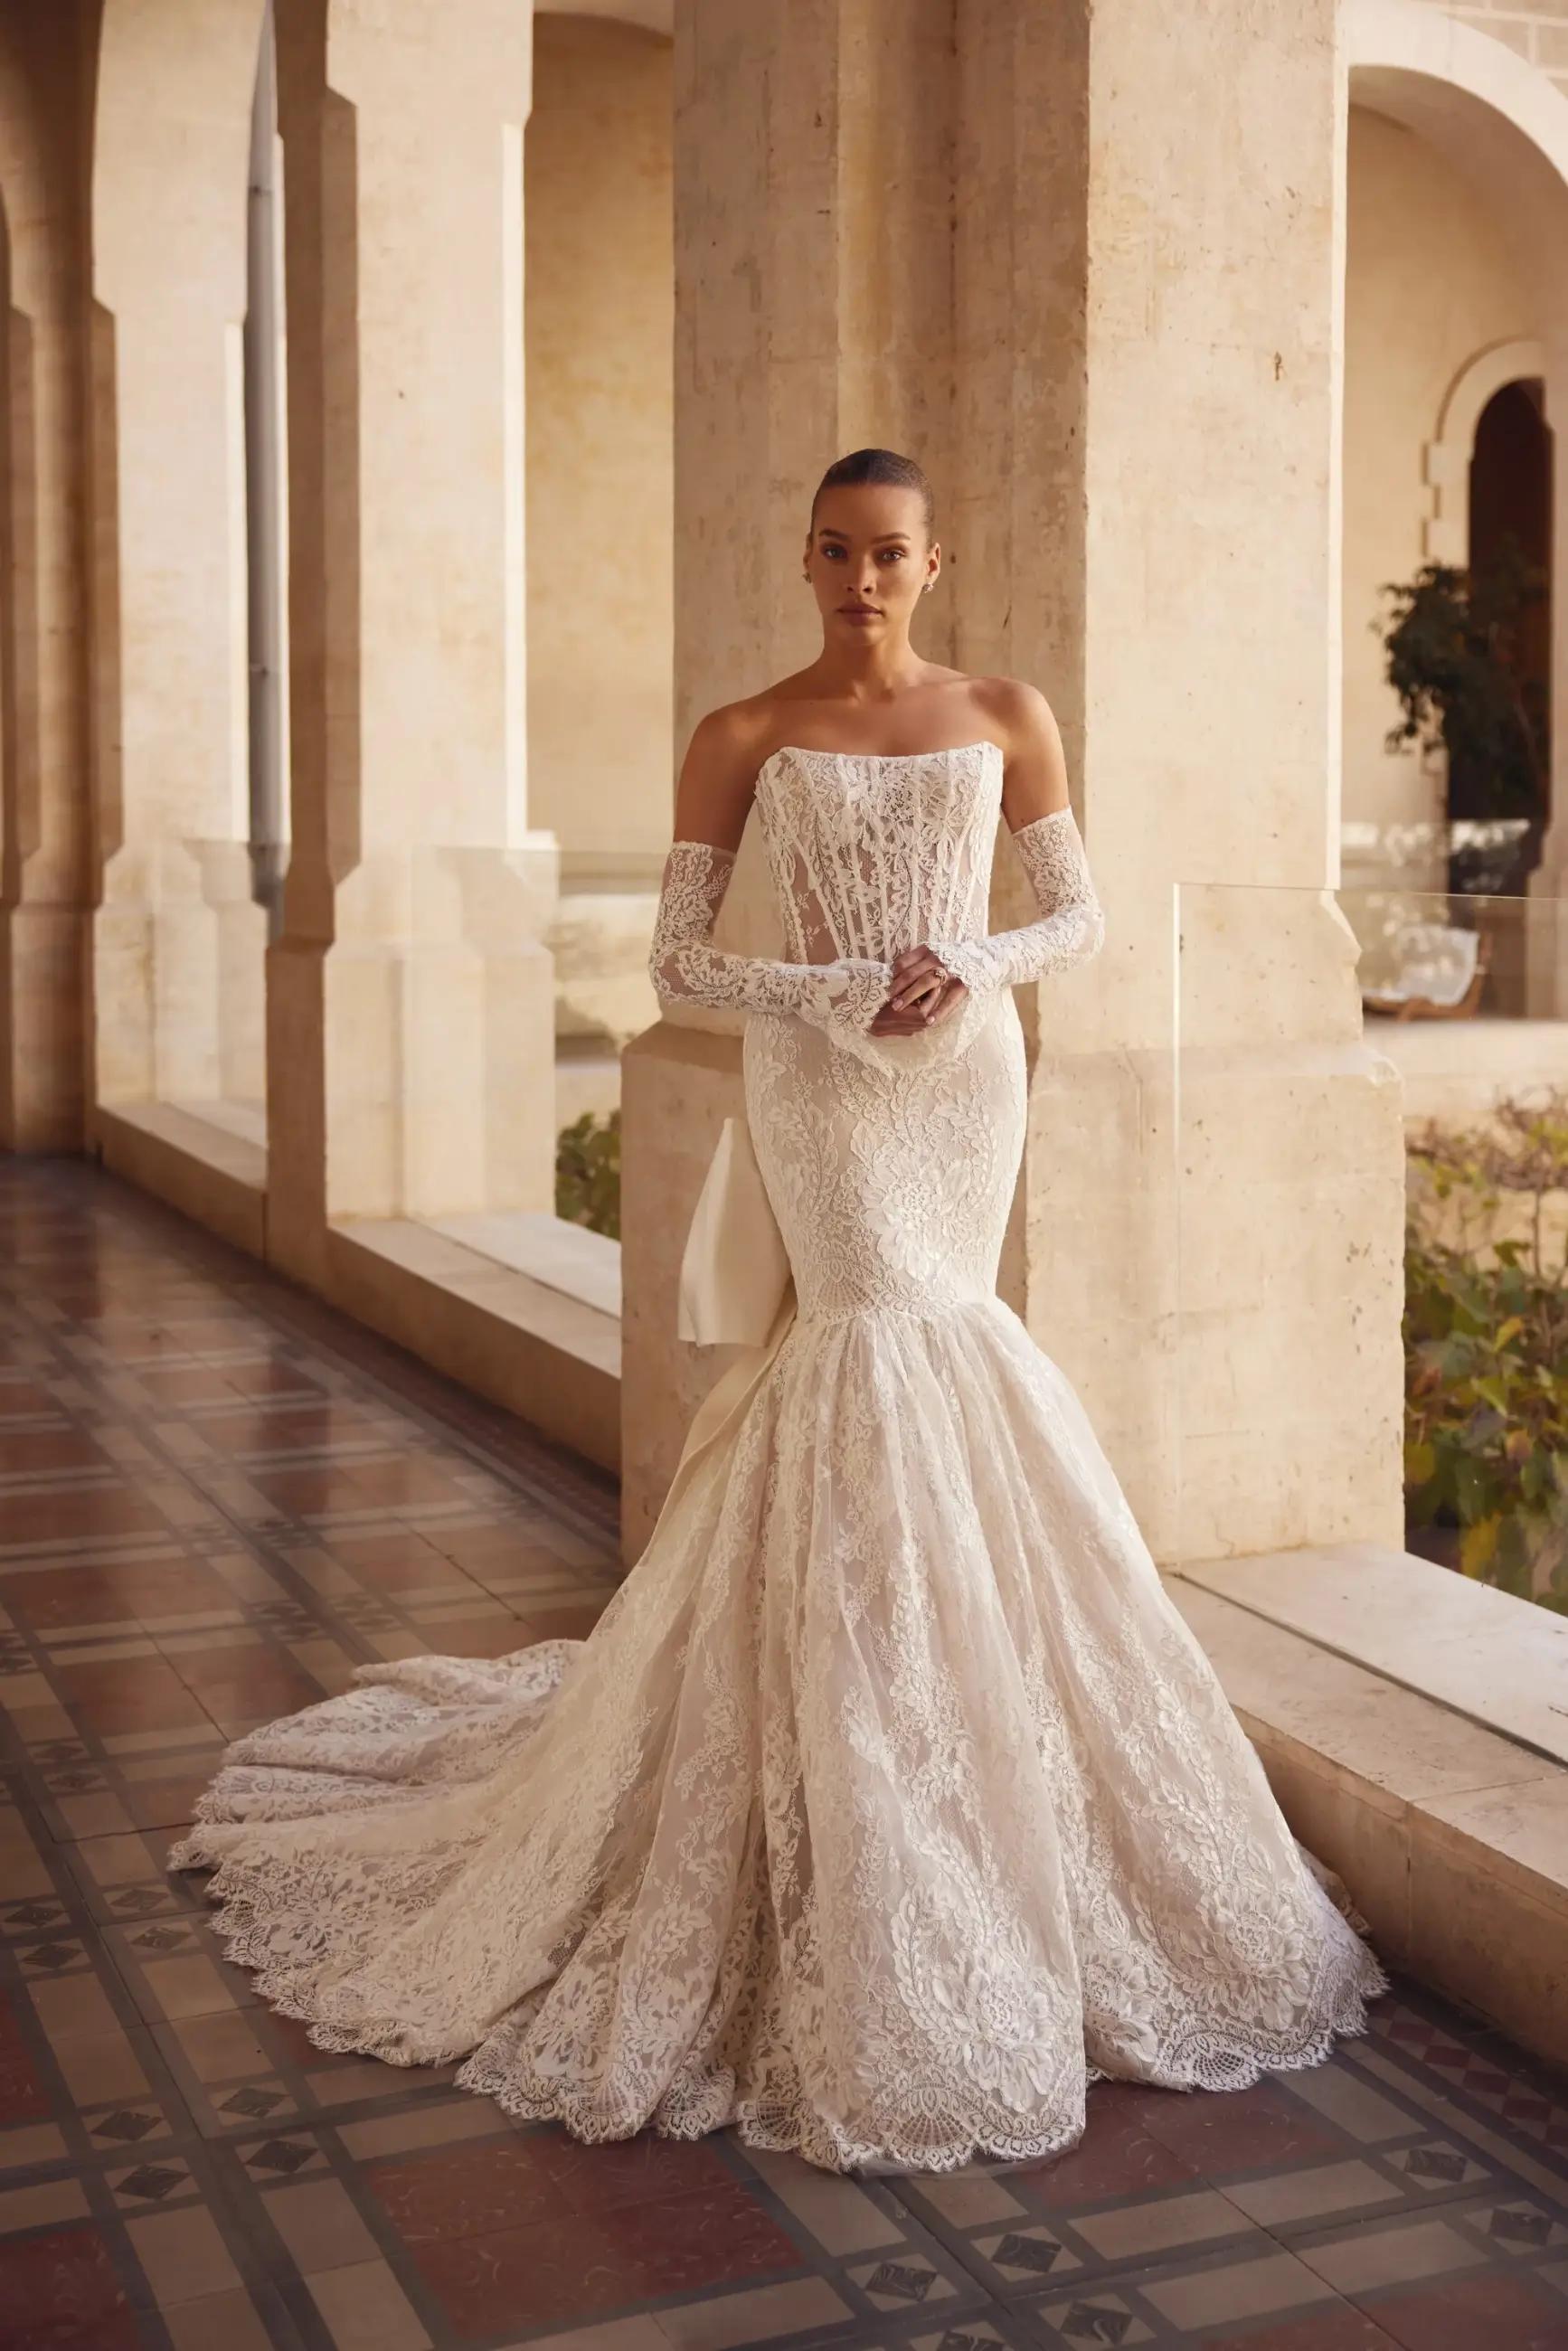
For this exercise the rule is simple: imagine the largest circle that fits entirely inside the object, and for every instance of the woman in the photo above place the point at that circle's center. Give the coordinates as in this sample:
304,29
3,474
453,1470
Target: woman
890,1801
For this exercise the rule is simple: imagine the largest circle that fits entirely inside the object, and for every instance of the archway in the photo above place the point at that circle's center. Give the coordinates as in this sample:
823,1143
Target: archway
1509,484
1495,130
1445,533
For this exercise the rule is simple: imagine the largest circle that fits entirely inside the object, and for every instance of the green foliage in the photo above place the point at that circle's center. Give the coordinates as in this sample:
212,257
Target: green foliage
1486,1342
587,1173
1456,643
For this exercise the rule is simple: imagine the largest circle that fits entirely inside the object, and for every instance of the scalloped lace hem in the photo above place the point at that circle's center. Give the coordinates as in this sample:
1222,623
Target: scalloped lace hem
708,2099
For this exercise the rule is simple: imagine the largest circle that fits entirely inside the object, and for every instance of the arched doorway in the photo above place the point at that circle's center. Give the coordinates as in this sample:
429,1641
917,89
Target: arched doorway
1466,116
1508,532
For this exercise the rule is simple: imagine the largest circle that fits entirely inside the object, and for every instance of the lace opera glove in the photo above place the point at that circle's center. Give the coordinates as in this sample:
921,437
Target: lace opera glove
841,998
1072,926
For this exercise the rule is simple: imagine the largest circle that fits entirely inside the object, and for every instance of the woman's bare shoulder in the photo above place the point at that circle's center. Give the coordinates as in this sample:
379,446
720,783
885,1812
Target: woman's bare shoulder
1034,771
747,729
718,773
1019,713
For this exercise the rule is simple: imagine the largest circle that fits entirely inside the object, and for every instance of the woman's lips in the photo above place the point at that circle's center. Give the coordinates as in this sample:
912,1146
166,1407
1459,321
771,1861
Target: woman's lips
859,612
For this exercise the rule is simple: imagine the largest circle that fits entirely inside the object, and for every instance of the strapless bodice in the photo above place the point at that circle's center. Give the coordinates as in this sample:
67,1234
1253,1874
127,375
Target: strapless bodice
872,852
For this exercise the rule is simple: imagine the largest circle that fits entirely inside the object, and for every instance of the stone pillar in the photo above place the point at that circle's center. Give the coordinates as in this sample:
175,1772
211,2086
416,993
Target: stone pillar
177,939
813,308
1123,371
43,585
409,1051
267,492
1149,388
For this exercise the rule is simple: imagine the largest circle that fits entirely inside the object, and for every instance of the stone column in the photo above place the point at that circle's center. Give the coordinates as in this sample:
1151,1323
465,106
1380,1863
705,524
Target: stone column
813,308
1122,368
410,1048
43,580
177,938
1149,387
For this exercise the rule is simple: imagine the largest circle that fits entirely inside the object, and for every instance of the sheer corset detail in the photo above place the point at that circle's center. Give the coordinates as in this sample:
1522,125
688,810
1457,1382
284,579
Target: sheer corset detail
869,854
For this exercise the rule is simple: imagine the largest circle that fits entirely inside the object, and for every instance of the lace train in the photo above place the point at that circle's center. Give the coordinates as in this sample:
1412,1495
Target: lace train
889,1804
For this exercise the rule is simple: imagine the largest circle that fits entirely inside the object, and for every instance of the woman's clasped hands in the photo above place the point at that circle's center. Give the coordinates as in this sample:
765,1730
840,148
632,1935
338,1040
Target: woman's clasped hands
922,992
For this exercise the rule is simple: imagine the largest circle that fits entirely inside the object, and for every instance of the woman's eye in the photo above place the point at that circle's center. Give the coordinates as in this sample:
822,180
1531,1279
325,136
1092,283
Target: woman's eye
895,552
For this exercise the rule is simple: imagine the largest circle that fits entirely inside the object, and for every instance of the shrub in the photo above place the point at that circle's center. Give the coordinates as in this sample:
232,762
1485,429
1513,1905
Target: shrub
1486,1340
1457,645
587,1173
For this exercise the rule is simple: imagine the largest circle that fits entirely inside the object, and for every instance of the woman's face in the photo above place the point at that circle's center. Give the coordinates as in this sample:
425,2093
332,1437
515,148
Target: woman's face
868,559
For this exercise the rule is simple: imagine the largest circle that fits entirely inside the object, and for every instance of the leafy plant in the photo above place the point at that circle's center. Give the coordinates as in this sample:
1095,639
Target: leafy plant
1458,646
1486,1338
1455,645
587,1173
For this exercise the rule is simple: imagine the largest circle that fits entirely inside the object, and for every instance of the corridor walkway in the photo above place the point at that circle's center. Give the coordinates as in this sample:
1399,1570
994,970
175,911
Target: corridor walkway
215,1500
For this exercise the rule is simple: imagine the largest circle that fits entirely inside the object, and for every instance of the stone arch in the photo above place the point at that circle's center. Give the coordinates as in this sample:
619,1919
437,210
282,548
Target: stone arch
1446,456
1503,126
1500,118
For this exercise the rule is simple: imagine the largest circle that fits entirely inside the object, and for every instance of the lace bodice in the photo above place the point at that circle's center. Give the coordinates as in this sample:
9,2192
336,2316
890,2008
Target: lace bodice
871,852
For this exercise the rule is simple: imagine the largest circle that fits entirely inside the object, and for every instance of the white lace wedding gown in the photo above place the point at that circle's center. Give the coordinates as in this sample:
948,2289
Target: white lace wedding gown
890,1801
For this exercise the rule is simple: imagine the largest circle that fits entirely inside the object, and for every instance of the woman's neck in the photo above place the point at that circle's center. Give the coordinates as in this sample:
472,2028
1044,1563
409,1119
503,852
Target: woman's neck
881,675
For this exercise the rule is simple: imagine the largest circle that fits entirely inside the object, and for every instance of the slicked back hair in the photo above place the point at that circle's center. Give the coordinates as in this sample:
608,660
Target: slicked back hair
880,465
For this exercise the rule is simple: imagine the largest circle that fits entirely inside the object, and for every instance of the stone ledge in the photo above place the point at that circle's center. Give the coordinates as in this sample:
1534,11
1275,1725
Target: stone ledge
550,1250
1455,1070
1498,1660
1452,1837
551,1358
200,1165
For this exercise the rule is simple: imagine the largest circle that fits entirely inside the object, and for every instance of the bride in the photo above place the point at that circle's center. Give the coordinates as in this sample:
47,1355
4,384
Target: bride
890,1803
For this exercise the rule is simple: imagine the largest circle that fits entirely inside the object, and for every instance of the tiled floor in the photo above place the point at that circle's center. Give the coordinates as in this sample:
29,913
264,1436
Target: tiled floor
215,1500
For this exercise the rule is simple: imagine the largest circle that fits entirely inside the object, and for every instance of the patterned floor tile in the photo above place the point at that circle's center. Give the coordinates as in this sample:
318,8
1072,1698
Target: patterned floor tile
1330,2327
216,1498
61,2287
1483,2314
546,2271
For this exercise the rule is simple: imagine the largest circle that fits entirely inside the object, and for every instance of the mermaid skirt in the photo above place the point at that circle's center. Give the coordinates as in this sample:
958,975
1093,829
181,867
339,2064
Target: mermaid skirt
889,1804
